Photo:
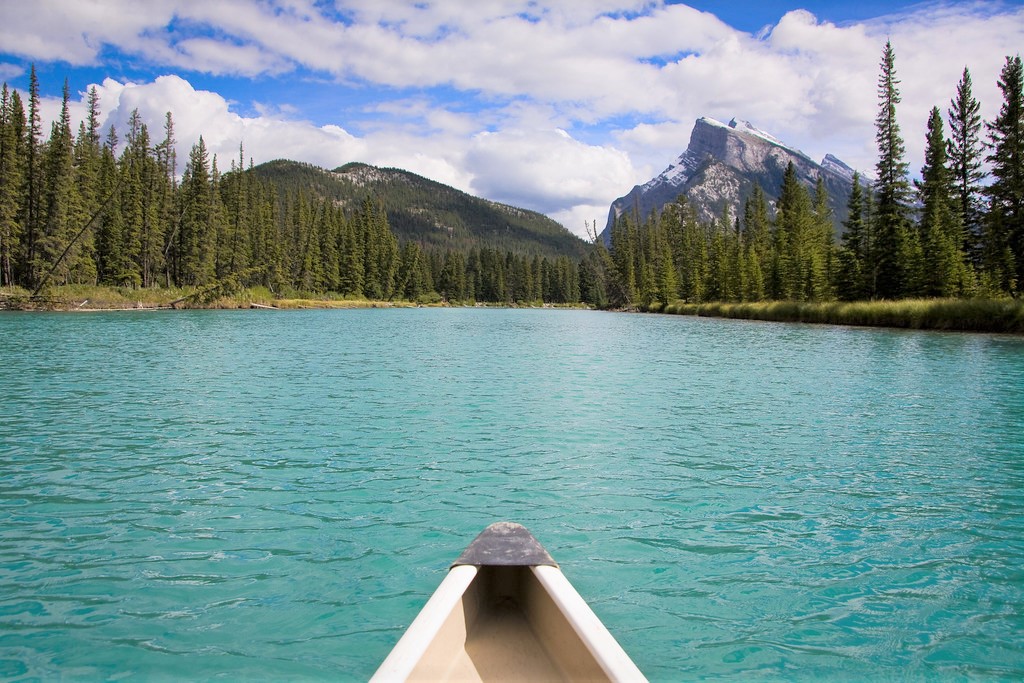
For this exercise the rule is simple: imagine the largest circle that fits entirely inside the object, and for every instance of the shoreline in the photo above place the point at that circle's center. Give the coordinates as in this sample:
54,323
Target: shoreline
950,315
1003,316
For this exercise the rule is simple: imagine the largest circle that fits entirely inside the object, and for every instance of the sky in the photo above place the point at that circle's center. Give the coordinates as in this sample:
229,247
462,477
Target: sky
559,107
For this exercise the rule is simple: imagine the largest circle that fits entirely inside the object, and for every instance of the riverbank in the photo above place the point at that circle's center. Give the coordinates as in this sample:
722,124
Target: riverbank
96,298
963,315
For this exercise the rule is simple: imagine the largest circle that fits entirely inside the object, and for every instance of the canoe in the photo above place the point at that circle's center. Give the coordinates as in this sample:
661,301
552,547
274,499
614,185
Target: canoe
505,612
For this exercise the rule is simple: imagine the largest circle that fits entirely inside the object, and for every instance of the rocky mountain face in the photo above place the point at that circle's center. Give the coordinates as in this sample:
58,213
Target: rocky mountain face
720,168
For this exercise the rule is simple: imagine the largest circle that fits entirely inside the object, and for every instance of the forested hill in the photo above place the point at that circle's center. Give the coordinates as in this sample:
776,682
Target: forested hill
428,212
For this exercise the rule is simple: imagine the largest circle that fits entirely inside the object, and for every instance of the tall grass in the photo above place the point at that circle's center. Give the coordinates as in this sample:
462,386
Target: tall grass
93,297
970,315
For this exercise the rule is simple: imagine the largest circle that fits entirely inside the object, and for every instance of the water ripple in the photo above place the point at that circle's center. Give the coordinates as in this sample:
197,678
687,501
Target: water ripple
222,494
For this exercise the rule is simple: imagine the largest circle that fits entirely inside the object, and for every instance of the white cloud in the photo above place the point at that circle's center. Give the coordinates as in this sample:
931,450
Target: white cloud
547,170
74,32
10,71
636,72
198,113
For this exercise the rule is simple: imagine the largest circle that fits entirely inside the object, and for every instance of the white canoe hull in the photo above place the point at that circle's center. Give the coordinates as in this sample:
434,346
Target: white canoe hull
507,622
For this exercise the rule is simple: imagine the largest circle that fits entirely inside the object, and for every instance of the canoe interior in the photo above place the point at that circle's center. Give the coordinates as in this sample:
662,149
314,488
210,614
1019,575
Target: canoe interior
507,628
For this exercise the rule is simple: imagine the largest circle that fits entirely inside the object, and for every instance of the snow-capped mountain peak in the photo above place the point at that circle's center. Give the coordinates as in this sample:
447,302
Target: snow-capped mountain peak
721,166
749,128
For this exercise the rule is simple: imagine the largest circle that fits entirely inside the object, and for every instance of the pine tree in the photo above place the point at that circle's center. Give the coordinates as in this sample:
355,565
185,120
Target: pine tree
86,174
216,224
196,241
60,203
537,284
1005,235
668,280
32,210
135,221
623,254
693,259
12,182
717,285
944,272
757,237
92,122
823,260
110,226
236,190
965,163
166,198
794,240
351,276
855,277
892,188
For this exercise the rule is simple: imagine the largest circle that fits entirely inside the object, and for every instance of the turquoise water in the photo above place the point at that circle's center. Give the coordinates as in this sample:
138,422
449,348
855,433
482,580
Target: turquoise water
268,495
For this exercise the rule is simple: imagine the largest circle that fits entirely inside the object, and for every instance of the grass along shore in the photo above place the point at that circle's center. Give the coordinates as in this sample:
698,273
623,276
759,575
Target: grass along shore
103,298
100,298
964,315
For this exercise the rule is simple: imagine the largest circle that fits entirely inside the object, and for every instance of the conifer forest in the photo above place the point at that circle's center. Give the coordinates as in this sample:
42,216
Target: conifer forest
118,208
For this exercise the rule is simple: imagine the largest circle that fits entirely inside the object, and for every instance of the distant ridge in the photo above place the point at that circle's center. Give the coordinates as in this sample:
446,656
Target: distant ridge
721,166
429,212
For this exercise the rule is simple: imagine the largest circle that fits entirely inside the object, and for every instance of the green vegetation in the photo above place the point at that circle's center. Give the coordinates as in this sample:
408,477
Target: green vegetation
99,297
75,211
902,241
969,315
432,214
85,220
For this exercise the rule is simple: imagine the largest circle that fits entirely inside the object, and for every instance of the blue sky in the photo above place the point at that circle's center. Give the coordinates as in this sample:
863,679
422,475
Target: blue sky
557,107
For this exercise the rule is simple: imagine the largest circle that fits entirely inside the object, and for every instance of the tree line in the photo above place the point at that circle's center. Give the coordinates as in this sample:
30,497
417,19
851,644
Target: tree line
948,234
78,209
85,208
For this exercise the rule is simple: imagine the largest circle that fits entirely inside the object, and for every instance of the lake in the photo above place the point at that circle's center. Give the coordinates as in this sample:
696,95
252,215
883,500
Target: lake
267,495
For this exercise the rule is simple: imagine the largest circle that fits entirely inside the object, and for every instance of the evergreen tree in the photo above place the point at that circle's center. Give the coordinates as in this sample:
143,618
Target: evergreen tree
134,209
965,163
823,259
351,250
623,252
60,203
451,284
12,183
86,173
944,273
92,121
330,224
32,211
166,200
753,278
758,244
596,271
196,240
693,258
892,188
537,283
855,277
717,284
216,226
110,226
1005,234
409,284
793,240
235,190
668,280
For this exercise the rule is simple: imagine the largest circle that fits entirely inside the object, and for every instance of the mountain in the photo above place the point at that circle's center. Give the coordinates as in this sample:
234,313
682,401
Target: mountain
426,211
720,168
